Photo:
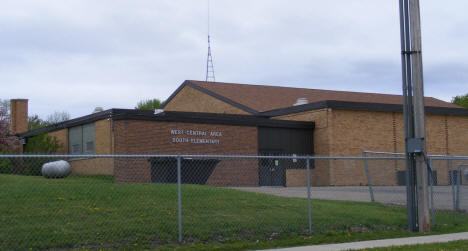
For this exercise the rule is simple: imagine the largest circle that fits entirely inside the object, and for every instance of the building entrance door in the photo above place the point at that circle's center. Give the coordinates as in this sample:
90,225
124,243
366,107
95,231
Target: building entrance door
271,171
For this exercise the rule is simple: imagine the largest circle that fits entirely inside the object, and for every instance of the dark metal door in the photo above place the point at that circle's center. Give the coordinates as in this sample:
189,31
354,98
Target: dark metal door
272,171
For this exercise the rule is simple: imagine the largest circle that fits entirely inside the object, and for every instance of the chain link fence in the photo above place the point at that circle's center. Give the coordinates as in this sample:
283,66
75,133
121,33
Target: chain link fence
447,178
451,189
116,201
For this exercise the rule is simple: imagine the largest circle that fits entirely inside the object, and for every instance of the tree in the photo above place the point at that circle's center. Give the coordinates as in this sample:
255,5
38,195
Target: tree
5,106
461,100
58,117
8,142
43,143
149,104
34,122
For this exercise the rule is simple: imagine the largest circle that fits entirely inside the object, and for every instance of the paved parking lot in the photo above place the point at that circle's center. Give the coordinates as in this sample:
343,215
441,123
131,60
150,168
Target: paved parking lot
443,198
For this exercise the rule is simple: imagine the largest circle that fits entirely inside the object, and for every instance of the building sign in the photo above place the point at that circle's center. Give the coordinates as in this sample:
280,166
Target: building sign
195,136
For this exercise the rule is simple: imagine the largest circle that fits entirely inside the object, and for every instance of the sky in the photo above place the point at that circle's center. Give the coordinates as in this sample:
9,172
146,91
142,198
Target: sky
76,55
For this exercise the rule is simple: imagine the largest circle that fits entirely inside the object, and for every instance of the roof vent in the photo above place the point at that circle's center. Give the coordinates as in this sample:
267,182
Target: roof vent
301,101
98,109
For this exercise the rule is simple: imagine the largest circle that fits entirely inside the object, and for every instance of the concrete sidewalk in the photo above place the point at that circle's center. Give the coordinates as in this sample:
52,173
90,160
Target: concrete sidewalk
381,243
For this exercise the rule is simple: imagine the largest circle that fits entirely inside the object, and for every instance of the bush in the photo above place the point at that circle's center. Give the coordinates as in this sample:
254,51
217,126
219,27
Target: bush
33,166
42,144
23,166
5,164
39,144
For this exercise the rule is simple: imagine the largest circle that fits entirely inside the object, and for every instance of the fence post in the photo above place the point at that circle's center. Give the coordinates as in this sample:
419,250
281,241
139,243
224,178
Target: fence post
179,197
369,183
309,209
452,183
457,207
431,181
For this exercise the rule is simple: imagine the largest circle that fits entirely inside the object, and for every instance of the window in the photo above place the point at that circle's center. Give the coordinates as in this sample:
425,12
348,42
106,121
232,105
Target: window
81,139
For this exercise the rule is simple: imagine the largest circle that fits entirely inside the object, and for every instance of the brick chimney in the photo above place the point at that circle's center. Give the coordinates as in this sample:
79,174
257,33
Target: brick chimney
19,115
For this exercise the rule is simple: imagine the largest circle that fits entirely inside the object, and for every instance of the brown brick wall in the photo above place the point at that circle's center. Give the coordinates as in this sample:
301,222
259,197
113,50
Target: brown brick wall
92,166
399,140
436,143
353,130
383,131
154,137
457,135
338,132
345,132
62,138
104,137
296,177
457,138
436,134
192,100
134,170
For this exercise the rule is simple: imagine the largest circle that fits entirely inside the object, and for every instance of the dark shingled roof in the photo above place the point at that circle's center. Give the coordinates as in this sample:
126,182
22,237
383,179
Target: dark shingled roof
262,98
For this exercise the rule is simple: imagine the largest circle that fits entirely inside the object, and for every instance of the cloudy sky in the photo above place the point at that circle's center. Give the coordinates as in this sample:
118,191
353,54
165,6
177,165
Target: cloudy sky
75,55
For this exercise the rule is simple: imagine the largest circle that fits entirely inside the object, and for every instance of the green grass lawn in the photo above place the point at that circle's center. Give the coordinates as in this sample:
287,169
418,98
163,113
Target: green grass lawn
92,211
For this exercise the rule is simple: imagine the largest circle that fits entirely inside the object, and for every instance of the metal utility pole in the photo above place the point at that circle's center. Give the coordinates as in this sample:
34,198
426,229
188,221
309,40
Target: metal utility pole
413,109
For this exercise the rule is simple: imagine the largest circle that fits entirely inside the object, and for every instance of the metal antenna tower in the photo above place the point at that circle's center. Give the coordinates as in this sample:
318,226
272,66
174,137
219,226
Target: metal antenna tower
210,75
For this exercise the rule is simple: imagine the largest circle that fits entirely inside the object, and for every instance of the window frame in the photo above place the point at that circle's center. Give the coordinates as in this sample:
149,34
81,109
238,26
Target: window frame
82,136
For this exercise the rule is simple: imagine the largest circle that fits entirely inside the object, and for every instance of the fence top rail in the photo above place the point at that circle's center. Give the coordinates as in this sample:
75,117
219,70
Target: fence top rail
432,156
447,157
194,156
75,156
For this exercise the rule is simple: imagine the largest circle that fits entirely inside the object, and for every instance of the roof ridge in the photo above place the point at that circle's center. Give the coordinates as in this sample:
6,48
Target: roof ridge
198,82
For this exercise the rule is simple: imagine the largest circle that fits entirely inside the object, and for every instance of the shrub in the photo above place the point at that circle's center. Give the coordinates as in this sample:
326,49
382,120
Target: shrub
5,164
39,144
